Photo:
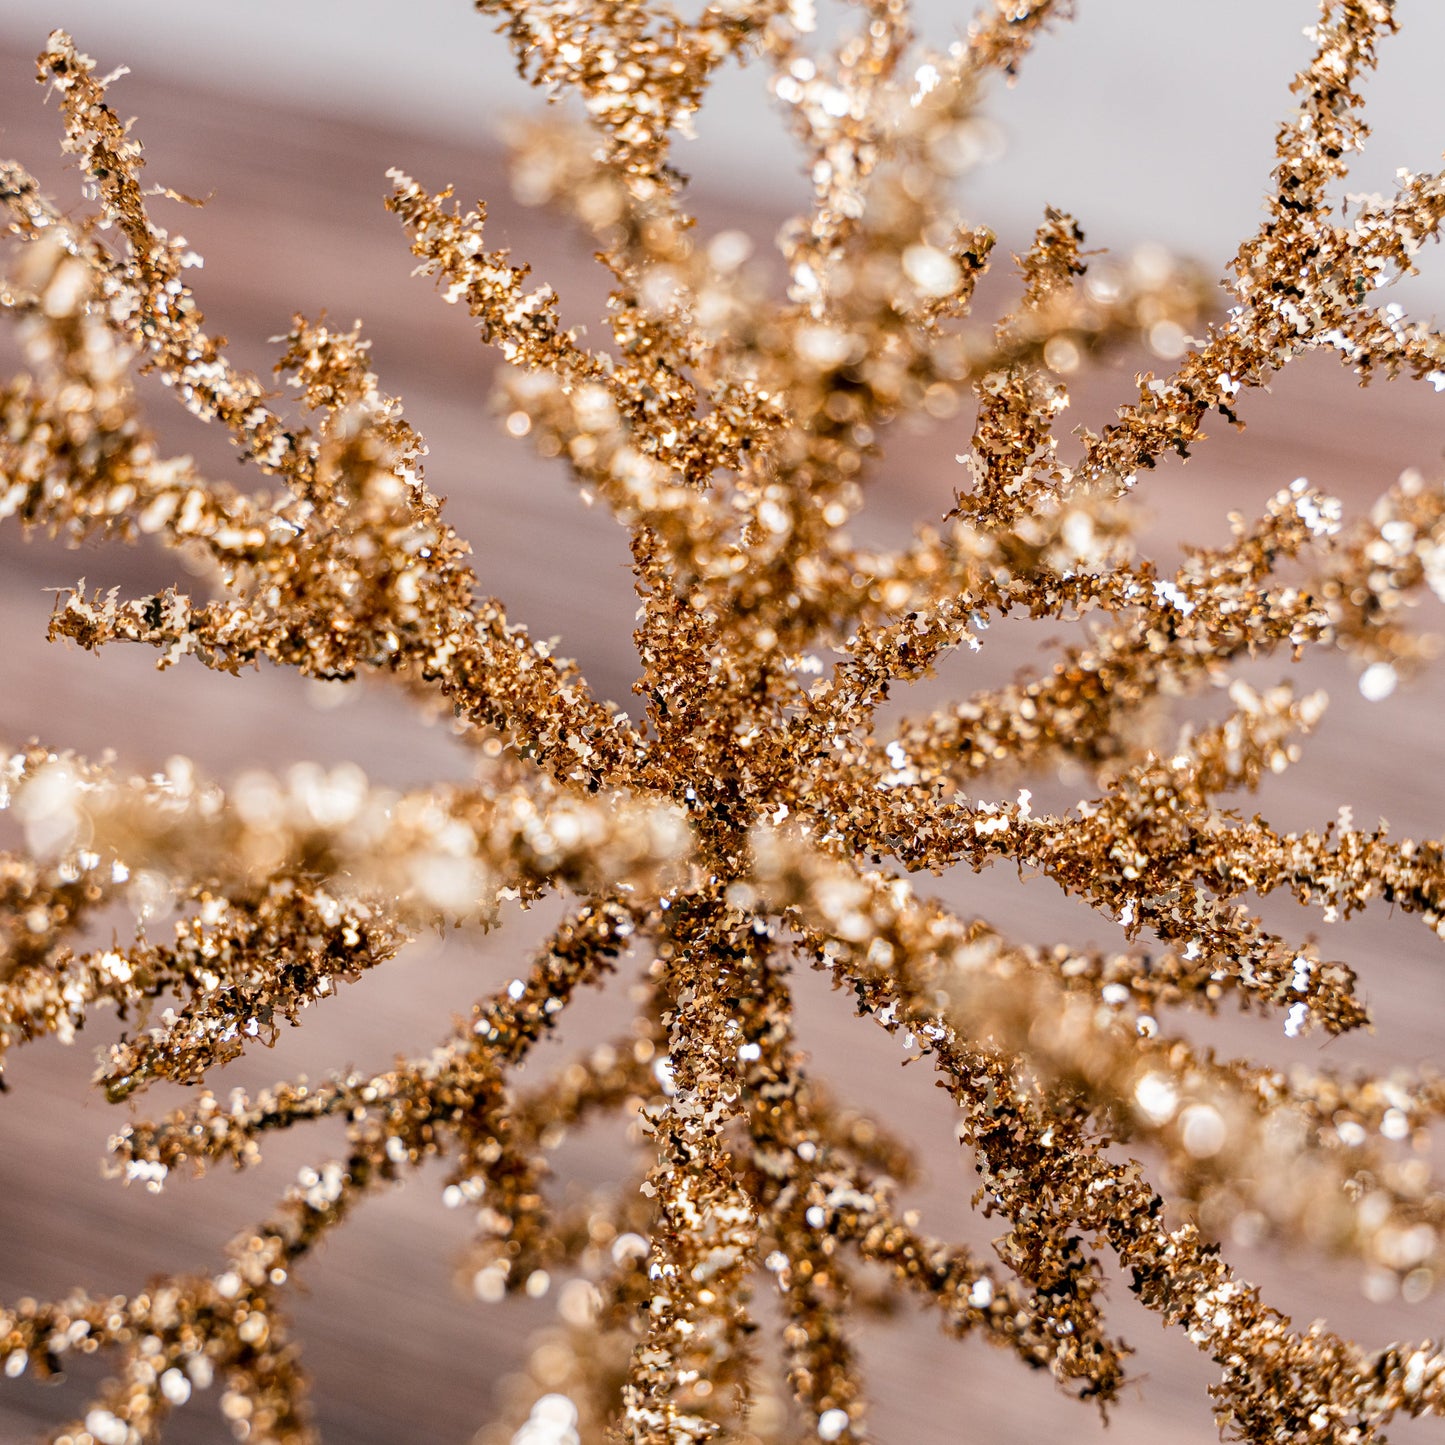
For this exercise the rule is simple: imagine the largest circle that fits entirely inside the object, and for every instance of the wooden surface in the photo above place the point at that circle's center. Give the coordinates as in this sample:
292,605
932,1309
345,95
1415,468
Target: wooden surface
397,1353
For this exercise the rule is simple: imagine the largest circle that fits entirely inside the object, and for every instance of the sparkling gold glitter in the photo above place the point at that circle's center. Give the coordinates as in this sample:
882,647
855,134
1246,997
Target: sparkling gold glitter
760,815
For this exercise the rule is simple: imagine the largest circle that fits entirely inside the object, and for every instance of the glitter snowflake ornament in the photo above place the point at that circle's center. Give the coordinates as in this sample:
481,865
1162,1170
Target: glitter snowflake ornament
760,816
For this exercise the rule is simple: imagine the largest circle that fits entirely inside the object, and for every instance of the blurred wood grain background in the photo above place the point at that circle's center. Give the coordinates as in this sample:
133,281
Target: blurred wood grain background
398,1353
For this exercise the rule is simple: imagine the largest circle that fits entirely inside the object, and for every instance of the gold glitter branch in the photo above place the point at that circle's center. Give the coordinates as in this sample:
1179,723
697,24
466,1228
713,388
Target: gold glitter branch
745,827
